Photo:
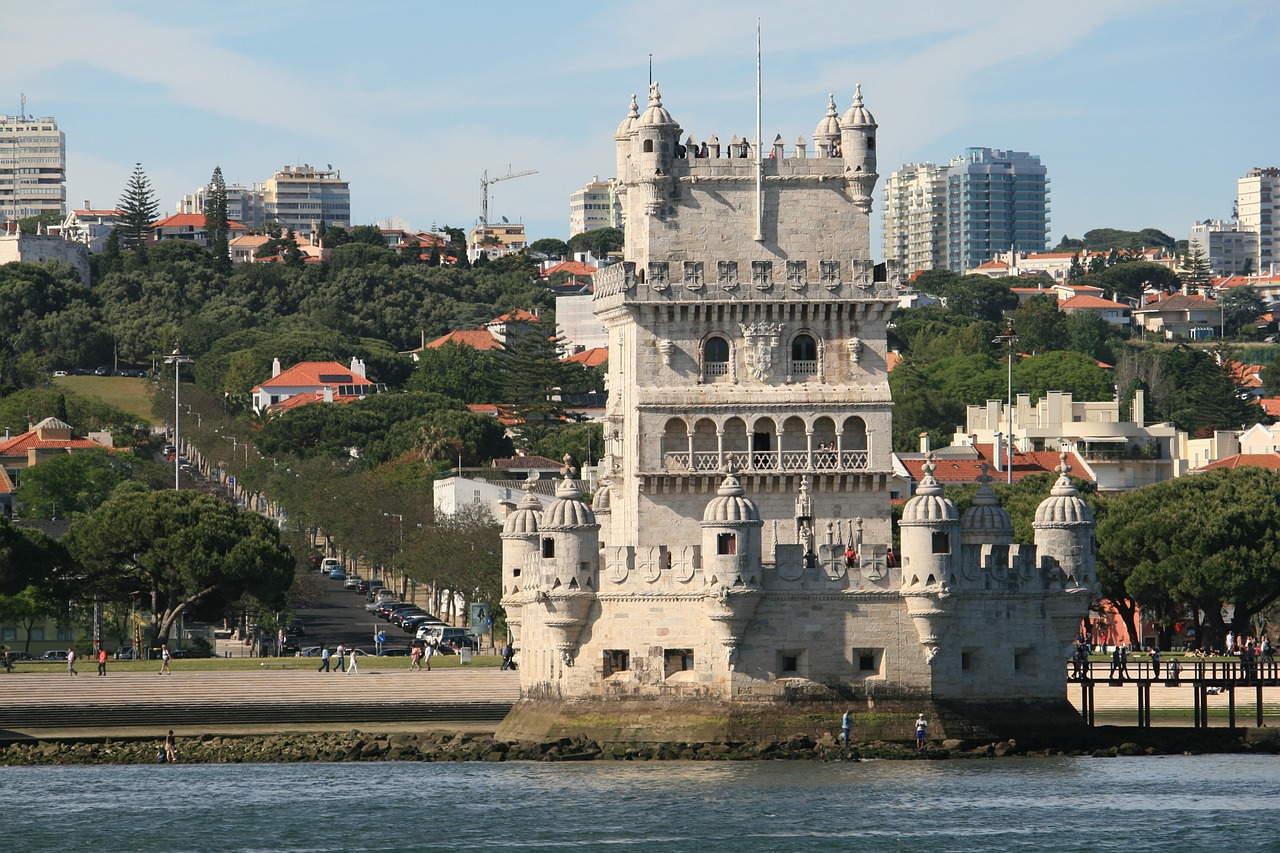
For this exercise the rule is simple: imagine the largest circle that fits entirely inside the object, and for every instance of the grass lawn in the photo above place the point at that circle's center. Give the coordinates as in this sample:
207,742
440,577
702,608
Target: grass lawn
124,392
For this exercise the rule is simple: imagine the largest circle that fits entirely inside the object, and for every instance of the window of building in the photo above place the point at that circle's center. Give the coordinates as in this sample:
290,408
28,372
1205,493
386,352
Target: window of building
64,633
941,543
969,659
648,146
37,634
726,543
1024,660
548,547
616,660
804,356
715,358
867,662
8,635
676,660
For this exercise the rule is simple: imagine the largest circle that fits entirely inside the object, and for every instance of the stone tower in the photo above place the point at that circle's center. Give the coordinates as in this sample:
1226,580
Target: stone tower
738,555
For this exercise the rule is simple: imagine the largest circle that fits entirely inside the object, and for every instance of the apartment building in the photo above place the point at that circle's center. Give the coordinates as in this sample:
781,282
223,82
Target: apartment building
33,167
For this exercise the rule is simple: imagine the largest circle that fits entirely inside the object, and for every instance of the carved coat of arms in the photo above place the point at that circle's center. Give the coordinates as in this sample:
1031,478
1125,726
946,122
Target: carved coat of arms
760,345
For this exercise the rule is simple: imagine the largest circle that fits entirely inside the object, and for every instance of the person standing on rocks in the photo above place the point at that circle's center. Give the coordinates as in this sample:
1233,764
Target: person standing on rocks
846,725
102,660
165,657
339,658
324,658
170,748
71,662
922,731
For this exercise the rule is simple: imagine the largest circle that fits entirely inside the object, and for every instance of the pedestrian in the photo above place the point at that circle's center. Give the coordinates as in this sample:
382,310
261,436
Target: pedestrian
508,653
71,662
1231,643
102,660
324,658
353,667
165,657
1115,662
170,747
430,651
846,725
415,659
1155,663
922,731
1124,660
339,657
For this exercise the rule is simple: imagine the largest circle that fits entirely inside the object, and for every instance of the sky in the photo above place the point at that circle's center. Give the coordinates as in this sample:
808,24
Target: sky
1144,111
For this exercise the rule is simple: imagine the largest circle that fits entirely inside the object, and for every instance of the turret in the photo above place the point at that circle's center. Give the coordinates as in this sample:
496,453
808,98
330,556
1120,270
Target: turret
569,546
622,140
930,535
985,522
1064,529
519,554
858,147
731,563
826,137
656,135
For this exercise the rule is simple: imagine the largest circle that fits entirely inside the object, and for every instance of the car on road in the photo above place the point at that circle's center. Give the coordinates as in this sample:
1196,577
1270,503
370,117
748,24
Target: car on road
446,636
17,656
124,653
296,628
410,624
362,585
337,575
457,644
396,652
388,608
374,605
310,651
55,654
328,564
104,370
352,582
58,374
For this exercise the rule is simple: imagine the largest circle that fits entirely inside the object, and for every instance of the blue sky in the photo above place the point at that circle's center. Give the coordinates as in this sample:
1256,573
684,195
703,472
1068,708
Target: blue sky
1144,111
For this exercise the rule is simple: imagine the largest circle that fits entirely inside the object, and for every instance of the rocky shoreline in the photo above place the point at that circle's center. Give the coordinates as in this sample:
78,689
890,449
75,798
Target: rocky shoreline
353,745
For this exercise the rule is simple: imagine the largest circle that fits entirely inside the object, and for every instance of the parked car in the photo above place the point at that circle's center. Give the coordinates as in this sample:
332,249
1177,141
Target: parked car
296,628
328,564
55,654
397,652
310,651
352,582
17,656
362,585
374,605
124,653
337,575
444,634
58,374
104,370
456,644
410,624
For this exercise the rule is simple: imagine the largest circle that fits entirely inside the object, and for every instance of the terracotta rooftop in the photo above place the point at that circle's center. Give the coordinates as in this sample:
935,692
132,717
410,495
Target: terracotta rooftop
571,267
593,357
474,338
957,470
1085,302
315,373
190,220
1270,405
1246,460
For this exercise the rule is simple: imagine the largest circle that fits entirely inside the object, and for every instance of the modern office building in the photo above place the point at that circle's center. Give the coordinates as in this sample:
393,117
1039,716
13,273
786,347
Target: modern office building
1257,208
997,201
594,206
33,167
915,218
1230,248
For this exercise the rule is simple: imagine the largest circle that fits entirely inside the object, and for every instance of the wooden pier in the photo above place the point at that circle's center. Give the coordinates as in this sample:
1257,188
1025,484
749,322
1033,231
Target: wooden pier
1205,678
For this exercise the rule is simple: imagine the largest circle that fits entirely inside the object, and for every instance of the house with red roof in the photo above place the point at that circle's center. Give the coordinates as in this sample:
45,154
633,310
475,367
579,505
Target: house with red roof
1270,461
189,227
45,440
1115,313
1178,316
313,382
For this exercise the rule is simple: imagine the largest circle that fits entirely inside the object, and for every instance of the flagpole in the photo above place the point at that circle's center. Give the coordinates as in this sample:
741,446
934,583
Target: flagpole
759,159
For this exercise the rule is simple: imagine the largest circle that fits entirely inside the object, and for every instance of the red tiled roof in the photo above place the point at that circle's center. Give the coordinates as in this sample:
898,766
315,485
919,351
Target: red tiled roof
1244,375
474,338
992,265
88,212
593,357
190,220
305,399
1245,460
26,441
1270,405
6,485
892,360
571,267
517,316
308,373
950,470
1086,302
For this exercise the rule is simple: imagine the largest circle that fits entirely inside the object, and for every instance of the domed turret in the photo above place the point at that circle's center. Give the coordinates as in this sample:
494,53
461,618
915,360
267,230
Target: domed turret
523,521
1064,528
986,522
858,143
655,114
569,510
930,526
731,537
730,505
519,551
655,137
622,139
828,131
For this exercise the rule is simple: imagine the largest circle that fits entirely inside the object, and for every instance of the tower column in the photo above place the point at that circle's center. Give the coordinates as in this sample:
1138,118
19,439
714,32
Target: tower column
720,448
808,447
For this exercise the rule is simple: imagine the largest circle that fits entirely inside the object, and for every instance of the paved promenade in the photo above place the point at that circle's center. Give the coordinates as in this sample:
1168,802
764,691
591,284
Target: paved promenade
41,704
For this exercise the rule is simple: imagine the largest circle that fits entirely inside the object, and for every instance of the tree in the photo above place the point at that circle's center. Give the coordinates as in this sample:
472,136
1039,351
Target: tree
1240,306
370,235
1128,280
1040,324
1073,372
180,550
215,219
459,372
1197,269
549,247
599,242
138,209
71,485
531,376
975,296
1196,545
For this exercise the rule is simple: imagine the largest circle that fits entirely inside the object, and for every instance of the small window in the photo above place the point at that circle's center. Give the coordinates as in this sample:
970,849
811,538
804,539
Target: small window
648,146
941,543
726,543
790,663
8,634
676,660
37,634
867,662
1024,660
616,660
715,358
64,633
969,660
548,548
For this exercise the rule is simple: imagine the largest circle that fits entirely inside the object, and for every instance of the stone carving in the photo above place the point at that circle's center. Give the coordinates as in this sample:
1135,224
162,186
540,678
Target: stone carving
797,275
659,276
760,345
665,348
829,273
727,275
762,275
693,275
855,348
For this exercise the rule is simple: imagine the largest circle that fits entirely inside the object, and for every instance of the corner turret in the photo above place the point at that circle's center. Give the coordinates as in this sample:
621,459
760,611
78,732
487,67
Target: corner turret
1064,529
858,147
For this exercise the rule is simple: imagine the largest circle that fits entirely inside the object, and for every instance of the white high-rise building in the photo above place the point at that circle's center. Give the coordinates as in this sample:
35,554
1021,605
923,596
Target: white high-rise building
244,205
1230,249
33,167
915,218
594,206
1257,208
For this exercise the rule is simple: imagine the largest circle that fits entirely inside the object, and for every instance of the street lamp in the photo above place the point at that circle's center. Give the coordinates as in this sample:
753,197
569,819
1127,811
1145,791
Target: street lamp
1008,338
399,539
177,360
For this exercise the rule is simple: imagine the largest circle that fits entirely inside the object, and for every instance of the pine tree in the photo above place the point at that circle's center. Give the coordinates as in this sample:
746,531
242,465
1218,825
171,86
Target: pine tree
138,209
1198,270
215,218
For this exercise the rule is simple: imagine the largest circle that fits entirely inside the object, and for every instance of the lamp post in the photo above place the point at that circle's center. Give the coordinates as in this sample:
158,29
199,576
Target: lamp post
400,543
1008,338
177,360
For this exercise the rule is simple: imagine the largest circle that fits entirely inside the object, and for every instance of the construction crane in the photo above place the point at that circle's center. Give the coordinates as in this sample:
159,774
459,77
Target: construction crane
485,180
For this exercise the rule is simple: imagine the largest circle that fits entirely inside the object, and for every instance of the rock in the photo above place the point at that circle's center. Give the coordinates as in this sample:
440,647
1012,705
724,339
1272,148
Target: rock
953,743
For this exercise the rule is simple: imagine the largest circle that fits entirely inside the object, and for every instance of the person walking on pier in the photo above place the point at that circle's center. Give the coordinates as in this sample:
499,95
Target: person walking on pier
1155,662
508,655
353,666
165,657
102,660
1115,662
324,658
339,656
71,662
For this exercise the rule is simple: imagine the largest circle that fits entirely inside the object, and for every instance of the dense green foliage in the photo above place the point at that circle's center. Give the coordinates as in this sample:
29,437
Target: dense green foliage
71,485
1106,239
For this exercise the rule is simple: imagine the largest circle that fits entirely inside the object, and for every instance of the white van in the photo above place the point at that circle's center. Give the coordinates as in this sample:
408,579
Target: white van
328,564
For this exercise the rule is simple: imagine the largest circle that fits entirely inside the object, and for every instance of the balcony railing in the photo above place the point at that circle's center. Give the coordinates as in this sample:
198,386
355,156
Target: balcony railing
768,461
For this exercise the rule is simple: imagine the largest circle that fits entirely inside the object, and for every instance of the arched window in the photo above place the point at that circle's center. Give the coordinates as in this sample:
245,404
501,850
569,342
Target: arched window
804,356
648,146
715,358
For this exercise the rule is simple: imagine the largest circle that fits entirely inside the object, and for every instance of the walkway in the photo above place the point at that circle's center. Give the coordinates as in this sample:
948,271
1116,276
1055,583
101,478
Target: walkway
271,700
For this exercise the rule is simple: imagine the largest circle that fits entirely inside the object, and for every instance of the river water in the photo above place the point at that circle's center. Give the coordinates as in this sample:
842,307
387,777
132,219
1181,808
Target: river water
1184,803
